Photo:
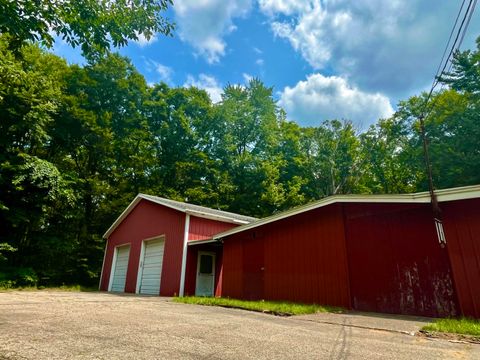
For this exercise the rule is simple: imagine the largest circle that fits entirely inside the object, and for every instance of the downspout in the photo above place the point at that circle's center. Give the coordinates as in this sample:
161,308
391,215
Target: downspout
184,255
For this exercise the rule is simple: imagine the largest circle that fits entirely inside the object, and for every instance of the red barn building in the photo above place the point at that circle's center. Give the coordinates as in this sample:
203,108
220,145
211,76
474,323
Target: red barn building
379,253
146,250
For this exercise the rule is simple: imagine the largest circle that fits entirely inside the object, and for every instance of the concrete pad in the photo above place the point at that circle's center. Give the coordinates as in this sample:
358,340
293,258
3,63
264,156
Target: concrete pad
374,321
66,325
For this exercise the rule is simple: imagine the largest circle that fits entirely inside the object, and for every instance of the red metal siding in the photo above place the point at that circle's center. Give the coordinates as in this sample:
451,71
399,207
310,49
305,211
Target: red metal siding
396,263
201,228
301,258
232,284
462,231
147,220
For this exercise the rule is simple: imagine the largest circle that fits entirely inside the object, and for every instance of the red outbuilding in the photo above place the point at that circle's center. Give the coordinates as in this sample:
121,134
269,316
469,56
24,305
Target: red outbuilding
146,250
382,253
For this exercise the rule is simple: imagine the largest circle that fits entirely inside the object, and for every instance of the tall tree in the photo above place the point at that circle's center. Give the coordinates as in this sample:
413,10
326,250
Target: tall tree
33,192
333,160
94,25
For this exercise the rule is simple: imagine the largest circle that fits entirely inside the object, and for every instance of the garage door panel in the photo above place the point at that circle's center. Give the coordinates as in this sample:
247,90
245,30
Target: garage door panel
120,269
152,267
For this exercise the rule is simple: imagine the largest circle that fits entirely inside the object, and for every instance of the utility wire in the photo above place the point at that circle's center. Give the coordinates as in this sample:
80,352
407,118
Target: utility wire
445,61
456,45
459,45
437,73
467,24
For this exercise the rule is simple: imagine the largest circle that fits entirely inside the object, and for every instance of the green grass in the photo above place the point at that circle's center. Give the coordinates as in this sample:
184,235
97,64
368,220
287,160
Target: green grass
463,326
274,307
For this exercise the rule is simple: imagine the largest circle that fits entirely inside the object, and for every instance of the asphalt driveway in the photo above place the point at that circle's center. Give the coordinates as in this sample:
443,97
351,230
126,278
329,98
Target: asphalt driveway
70,325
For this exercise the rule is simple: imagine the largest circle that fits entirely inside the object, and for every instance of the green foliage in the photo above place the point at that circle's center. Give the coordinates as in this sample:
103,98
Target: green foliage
78,143
18,277
272,307
464,326
94,25
4,248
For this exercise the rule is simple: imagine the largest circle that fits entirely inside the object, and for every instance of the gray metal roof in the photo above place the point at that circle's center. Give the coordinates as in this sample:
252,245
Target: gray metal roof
194,210
186,207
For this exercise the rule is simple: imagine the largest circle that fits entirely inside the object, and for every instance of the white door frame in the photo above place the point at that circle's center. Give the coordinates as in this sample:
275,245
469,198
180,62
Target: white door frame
114,263
214,256
142,258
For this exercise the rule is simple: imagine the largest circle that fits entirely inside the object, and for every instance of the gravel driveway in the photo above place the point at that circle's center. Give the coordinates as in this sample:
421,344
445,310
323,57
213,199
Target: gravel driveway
70,325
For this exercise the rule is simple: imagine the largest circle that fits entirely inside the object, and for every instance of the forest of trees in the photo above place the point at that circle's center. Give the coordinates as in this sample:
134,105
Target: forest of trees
77,143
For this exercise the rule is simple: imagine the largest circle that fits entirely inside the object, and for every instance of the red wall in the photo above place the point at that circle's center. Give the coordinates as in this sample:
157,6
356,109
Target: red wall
147,220
396,263
462,231
301,258
201,228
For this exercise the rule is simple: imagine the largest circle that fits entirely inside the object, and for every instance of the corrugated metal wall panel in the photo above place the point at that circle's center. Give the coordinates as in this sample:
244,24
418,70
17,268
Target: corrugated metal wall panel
201,228
396,263
232,284
462,231
304,260
145,221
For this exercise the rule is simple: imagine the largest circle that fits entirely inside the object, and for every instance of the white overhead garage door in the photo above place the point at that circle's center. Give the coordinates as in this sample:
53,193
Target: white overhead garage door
119,274
151,267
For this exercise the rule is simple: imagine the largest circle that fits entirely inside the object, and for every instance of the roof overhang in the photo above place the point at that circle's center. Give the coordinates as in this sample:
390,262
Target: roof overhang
460,193
141,197
201,242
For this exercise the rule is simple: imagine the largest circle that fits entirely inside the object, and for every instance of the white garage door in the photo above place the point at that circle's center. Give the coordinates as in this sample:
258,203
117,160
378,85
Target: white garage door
120,269
151,267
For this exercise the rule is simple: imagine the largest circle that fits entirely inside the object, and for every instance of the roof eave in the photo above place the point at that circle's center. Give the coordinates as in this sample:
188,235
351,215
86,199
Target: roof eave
139,197
122,216
460,193
200,242
216,217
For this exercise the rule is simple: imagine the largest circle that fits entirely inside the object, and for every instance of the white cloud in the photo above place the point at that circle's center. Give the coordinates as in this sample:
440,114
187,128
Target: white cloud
389,46
320,98
142,40
247,77
204,23
207,83
165,73
286,7
259,62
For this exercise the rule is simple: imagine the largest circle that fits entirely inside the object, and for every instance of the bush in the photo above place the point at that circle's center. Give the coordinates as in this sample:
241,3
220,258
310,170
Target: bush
20,277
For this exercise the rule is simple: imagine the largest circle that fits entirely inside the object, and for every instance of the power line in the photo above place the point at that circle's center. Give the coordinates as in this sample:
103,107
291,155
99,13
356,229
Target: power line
468,23
437,73
448,61
456,44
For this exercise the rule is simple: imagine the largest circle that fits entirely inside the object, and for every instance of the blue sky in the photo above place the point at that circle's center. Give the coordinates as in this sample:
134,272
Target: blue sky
325,59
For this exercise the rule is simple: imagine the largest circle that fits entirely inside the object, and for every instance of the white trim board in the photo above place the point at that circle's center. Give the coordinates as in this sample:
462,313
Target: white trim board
200,242
460,193
103,264
184,255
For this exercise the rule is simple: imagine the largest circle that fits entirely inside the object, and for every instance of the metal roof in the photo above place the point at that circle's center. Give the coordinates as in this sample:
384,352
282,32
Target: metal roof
459,193
192,209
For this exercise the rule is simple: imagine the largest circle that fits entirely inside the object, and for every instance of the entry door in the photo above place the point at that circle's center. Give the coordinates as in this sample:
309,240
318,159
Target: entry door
205,274
151,267
120,265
